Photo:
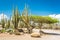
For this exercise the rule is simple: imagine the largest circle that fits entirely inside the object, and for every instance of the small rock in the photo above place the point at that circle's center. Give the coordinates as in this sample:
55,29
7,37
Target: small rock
35,35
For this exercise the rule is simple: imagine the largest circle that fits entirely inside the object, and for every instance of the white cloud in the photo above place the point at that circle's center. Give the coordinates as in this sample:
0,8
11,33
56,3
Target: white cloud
57,16
1,16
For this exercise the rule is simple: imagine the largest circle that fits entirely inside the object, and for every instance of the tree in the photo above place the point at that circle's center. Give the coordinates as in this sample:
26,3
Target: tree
43,19
50,21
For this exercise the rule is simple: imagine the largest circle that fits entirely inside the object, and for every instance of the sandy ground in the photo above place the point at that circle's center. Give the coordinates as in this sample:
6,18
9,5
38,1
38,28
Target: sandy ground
5,36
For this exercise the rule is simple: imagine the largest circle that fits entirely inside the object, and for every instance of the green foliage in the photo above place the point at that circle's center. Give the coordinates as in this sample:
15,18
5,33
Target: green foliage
51,20
43,19
25,18
11,31
3,30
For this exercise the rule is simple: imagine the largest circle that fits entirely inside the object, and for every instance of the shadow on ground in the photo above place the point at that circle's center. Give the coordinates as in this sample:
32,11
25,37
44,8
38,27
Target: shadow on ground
50,33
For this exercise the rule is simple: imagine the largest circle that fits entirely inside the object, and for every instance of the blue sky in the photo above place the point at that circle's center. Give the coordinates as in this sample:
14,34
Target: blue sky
37,7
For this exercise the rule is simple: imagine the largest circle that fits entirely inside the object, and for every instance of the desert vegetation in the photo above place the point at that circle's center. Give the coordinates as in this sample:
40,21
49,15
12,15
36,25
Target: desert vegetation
17,22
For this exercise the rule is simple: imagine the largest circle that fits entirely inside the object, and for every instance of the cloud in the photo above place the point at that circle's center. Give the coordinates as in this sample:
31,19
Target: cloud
57,16
1,16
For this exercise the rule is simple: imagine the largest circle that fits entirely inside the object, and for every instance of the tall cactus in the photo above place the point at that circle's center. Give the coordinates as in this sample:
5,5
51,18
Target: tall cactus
25,15
7,24
3,22
25,18
15,18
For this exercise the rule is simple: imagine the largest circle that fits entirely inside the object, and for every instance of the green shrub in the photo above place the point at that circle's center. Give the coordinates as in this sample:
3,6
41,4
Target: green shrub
3,30
10,31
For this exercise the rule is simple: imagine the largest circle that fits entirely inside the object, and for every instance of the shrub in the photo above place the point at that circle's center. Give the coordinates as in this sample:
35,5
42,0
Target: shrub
3,30
10,31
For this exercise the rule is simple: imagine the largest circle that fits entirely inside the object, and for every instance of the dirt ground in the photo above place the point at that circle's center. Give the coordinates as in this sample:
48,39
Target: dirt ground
5,36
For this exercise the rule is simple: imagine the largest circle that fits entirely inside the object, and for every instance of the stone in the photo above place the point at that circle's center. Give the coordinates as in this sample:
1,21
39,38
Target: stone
35,35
